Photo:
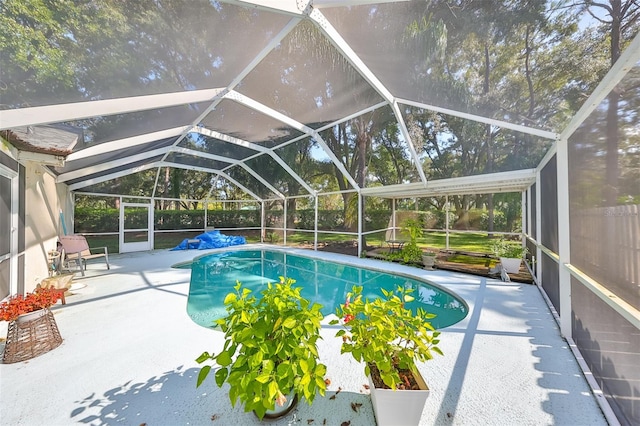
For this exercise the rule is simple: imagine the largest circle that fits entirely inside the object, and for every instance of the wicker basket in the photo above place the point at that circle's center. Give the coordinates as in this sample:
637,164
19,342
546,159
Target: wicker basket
32,336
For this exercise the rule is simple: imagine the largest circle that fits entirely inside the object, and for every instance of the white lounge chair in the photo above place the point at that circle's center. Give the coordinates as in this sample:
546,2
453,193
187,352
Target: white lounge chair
76,249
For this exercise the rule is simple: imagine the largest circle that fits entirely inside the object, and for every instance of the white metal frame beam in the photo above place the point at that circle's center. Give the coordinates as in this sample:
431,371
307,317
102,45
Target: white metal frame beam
407,137
97,168
217,172
79,110
230,139
486,120
256,60
262,180
115,175
263,109
116,145
350,55
513,181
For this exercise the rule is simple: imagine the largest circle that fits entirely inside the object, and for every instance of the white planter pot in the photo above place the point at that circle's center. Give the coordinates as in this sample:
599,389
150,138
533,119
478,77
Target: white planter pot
511,265
429,261
399,407
31,316
277,412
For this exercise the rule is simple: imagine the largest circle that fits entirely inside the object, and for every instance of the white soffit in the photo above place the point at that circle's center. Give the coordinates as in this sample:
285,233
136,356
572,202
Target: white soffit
514,181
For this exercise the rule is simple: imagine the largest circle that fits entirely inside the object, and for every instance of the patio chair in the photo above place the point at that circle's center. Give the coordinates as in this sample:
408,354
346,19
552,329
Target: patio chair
76,249
394,245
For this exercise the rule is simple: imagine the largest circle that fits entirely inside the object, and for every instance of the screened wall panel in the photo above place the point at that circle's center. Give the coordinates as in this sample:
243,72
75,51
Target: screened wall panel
611,347
21,269
549,205
8,162
531,255
551,280
6,195
604,189
5,214
332,215
274,218
534,222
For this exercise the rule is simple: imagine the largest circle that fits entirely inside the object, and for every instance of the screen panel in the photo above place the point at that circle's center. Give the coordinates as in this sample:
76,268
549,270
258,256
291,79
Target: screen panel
610,346
549,205
104,50
306,78
451,146
241,122
211,145
604,192
551,280
476,58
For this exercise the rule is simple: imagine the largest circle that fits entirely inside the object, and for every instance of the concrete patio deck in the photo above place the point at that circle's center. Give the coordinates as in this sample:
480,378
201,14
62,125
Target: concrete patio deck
129,350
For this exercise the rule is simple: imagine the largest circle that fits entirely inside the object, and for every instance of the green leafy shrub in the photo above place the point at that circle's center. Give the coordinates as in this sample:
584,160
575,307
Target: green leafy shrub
504,248
386,334
270,347
410,252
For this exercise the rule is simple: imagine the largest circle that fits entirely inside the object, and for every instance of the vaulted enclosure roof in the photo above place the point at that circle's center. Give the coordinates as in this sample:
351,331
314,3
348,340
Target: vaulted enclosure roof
284,98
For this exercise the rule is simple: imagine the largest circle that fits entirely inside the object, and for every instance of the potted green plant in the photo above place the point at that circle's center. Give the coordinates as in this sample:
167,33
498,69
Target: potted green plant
410,252
509,253
270,355
390,339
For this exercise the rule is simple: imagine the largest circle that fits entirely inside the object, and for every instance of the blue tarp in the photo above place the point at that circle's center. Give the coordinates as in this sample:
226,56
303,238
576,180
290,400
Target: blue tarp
210,240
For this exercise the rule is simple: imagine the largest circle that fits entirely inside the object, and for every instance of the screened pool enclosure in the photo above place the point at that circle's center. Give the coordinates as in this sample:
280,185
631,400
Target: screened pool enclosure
333,119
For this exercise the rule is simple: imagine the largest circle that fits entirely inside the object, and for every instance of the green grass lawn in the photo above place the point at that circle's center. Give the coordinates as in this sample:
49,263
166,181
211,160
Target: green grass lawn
163,240
478,242
472,242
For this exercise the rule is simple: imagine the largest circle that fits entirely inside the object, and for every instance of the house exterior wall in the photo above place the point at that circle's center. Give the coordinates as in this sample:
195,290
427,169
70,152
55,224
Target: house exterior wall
43,201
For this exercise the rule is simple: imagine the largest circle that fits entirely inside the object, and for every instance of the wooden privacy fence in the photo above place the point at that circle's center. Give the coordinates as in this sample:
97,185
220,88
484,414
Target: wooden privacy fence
605,243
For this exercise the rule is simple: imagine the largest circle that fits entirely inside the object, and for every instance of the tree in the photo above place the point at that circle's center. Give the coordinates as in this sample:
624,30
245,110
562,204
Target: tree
621,23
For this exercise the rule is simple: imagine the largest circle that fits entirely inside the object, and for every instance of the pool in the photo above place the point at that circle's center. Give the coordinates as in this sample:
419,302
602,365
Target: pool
325,282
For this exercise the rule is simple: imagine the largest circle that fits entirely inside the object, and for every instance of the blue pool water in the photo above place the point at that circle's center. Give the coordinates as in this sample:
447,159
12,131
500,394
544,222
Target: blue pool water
327,283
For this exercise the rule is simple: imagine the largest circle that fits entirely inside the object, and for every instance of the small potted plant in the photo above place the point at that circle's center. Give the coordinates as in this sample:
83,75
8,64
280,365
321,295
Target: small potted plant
410,252
390,338
509,253
270,356
32,327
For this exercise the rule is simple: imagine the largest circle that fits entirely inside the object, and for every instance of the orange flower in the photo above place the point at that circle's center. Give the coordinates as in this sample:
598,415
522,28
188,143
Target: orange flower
18,305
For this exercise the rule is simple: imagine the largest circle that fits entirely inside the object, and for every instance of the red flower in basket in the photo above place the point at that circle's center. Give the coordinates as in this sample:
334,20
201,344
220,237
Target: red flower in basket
18,305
